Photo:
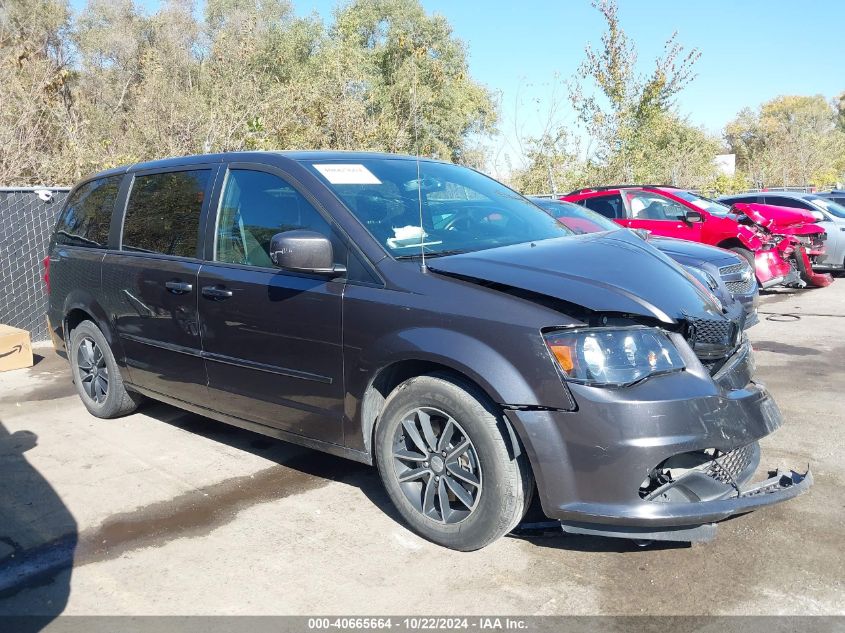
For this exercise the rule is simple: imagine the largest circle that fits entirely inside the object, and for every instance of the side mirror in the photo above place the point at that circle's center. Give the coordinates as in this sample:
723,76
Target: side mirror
694,216
303,252
819,216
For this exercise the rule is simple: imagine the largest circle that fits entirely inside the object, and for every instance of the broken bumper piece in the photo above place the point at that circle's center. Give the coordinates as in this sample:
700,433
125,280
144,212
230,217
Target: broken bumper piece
808,275
702,514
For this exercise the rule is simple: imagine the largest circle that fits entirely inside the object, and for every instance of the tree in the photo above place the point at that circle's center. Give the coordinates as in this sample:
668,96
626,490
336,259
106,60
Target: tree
36,104
628,108
789,141
551,164
249,74
415,78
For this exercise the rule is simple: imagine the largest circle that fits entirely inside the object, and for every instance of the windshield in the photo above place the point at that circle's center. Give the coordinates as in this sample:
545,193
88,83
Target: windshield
461,209
711,206
830,206
575,217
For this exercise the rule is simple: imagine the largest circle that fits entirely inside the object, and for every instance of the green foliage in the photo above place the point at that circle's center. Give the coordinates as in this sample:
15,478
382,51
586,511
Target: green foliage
248,75
789,141
551,165
724,185
637,137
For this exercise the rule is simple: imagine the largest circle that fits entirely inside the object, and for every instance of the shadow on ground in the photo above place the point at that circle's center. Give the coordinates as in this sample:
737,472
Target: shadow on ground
38,534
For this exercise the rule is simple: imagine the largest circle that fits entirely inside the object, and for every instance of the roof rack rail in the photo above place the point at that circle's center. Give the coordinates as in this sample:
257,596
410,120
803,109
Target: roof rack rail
608,187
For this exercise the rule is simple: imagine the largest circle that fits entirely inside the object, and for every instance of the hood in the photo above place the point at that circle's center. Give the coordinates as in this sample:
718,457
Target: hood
693,253
773,217
603,272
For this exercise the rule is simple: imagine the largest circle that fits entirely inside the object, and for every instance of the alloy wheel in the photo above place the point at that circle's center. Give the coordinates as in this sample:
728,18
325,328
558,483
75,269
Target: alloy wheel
93,371
437,465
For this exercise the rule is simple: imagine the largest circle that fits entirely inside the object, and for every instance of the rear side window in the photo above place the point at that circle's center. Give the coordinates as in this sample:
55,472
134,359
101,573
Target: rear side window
86,219
163,212
608,206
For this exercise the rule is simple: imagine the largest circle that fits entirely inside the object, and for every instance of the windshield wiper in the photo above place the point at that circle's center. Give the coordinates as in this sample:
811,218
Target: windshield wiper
455,251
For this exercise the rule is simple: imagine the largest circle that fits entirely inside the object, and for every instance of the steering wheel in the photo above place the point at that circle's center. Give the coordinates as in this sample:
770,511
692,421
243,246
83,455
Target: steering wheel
463,215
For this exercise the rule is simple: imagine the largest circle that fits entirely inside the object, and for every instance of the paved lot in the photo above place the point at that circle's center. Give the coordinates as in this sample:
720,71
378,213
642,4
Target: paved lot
170,513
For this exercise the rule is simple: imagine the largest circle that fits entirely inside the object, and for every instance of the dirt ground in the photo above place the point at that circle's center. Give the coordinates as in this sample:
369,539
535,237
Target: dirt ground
166,512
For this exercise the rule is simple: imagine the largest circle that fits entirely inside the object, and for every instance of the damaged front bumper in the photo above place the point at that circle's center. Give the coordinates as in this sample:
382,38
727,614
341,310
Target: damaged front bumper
695,521
661,460
808,275
772,269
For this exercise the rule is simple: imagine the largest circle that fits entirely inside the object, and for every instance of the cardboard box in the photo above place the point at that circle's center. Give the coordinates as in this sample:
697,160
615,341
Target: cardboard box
15,348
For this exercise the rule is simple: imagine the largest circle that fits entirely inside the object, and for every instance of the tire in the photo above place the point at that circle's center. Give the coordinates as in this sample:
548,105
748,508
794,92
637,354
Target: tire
744,252
100,387
505,483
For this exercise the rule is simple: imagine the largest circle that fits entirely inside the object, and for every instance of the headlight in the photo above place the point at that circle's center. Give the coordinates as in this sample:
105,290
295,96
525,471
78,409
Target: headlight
707,283
613,357
706,279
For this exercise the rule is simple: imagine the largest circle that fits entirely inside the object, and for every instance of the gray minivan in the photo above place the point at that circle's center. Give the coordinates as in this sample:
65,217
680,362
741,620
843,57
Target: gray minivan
421,317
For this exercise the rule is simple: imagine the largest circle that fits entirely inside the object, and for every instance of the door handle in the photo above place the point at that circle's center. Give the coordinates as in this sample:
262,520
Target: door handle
216,292
179,287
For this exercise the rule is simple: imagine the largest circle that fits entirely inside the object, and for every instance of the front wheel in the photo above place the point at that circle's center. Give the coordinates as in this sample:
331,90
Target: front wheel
442,456
746,254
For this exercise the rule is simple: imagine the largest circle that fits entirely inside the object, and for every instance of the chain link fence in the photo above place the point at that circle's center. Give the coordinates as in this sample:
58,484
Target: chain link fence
27,218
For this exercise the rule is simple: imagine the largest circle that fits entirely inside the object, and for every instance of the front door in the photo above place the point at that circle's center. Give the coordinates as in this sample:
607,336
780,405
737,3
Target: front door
272,340
660,215
151,285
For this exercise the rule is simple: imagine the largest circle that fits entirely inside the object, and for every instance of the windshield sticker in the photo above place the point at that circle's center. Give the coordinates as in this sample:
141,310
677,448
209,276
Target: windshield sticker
348,174
409,237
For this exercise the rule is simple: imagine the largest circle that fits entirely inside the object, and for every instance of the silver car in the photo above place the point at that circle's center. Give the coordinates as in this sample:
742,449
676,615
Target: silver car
829,215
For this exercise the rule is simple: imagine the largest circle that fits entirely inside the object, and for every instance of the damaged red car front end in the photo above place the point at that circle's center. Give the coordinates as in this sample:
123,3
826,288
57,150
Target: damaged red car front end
782,243
791,244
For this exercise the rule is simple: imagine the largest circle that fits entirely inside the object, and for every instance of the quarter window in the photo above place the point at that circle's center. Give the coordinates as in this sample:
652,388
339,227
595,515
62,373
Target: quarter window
86,218
254,207
163,214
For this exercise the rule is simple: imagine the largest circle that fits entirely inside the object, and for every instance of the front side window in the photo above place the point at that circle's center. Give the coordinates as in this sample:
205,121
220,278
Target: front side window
646,205
412,206
163,213
254,207
86,218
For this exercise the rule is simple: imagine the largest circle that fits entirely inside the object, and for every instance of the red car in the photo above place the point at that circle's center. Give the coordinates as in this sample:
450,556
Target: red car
781,243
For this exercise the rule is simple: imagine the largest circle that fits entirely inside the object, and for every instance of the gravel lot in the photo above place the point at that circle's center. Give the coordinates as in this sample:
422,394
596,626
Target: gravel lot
165,512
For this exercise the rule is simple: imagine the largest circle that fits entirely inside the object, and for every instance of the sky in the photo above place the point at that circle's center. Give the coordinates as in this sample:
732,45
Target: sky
751,50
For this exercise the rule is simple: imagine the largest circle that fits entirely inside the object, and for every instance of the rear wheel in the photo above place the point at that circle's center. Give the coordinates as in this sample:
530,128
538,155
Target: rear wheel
441,453
96,375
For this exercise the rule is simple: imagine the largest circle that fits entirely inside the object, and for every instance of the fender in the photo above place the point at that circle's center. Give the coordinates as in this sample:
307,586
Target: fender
749,238
492,371
82,299
471,357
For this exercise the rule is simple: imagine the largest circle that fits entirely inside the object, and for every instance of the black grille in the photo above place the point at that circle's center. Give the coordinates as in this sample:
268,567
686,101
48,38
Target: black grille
740,287
733,269
713,332
728,466
737,286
